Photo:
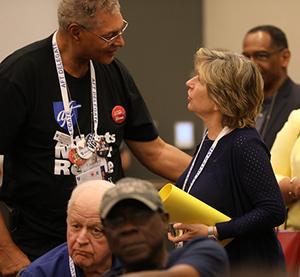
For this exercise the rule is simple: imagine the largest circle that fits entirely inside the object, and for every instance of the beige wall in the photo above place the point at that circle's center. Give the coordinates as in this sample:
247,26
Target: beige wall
24,21
226,21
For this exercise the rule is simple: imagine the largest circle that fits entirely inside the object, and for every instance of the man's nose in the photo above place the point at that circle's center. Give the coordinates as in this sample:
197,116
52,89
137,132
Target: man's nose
119,41
82,236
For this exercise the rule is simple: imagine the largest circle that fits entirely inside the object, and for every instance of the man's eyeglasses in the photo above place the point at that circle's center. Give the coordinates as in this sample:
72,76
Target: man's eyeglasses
111,37
262,55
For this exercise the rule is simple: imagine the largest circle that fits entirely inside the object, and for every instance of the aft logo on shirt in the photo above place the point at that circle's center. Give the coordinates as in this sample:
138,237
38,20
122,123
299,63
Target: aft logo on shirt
60,114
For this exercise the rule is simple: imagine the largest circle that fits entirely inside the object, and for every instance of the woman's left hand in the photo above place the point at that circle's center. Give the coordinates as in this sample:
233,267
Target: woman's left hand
189,231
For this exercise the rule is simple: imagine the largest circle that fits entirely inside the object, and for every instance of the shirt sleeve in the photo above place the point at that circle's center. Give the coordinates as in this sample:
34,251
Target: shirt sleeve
257,186
140,125
284,143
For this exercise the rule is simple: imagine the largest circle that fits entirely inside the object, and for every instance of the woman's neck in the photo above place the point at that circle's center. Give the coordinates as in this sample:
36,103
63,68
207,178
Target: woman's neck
214,127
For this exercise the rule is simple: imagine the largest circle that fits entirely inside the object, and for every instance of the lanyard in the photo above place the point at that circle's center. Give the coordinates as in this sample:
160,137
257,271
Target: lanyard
72,267
64,90
223,133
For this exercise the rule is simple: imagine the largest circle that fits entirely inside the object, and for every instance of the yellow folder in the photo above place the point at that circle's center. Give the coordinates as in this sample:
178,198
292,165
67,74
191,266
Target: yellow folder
185,208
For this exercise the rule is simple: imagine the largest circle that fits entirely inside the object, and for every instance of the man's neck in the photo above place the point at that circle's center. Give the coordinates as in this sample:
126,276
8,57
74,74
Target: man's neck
272,90
99,269
72,62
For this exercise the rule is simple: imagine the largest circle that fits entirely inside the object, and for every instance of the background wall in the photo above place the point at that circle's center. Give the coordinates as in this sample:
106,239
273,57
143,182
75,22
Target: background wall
161,39
227,21
160,43
224,22
22,22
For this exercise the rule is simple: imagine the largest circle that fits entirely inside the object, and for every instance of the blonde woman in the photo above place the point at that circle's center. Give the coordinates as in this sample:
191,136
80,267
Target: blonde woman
231,170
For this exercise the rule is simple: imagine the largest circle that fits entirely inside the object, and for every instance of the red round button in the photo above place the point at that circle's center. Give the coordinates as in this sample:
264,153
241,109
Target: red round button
118,114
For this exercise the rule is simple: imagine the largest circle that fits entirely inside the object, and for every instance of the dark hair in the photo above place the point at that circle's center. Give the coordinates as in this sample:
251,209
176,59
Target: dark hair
277,35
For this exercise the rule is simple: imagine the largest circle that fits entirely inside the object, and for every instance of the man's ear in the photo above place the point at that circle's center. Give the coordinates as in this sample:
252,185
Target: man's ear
285,57
165,218
75,30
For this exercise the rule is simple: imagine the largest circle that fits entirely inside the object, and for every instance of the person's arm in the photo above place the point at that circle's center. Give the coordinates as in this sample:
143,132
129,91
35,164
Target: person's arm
190,231
258,189
284,145
160,157
12,259
175,271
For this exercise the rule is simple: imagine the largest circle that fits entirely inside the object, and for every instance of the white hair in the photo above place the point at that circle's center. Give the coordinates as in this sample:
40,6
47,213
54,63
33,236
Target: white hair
89,193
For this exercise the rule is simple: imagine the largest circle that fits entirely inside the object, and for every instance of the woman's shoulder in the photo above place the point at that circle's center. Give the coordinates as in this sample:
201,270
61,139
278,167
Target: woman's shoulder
246,137
245,134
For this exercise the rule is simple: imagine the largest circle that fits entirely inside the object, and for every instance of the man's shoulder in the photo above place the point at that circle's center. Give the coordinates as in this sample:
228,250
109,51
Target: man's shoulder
205,255
115,68
56,259
199,245
290,89
116,269
28,52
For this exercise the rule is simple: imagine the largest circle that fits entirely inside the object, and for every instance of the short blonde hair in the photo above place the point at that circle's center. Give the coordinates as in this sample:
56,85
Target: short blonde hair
234,83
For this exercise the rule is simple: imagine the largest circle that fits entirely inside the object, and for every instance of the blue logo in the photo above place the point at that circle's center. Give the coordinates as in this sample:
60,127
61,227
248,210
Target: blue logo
60,114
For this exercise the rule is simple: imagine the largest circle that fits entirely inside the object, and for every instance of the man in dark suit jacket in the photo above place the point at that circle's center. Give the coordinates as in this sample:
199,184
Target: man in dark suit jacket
267,46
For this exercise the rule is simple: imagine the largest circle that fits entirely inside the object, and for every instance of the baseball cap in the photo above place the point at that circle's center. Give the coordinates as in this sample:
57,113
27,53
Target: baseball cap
131,188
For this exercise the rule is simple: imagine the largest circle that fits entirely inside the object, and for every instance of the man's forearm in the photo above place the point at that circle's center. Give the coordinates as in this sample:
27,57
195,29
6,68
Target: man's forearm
12,259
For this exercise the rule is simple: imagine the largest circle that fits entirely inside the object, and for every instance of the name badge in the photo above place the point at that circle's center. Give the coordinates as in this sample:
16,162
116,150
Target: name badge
96,173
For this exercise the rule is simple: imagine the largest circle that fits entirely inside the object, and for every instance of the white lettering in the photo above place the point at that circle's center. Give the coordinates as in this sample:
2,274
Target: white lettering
110,167
110,138
62,116
61,151
75,170
109,152
61,167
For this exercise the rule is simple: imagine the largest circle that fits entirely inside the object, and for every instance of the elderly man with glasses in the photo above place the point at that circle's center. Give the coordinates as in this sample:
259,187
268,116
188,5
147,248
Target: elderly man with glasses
66,105
267,46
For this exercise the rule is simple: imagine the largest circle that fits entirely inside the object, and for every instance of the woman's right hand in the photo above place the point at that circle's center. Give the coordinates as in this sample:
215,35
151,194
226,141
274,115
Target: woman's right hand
188,232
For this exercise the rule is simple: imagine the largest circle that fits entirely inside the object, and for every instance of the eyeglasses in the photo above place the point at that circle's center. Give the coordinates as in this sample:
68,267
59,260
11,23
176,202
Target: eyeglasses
111,37
262,55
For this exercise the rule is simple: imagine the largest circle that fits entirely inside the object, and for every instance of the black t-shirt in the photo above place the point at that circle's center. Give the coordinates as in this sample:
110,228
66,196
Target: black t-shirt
38,176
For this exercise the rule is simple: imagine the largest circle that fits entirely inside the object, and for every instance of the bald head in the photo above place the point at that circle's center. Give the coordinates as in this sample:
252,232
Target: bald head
89,195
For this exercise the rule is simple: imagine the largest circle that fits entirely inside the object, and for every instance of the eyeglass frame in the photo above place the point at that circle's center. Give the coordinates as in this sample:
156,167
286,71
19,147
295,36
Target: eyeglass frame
110,40
265,55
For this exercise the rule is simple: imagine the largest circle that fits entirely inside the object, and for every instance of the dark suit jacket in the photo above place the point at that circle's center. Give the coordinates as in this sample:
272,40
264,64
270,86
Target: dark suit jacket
287,99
